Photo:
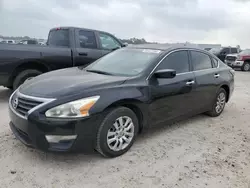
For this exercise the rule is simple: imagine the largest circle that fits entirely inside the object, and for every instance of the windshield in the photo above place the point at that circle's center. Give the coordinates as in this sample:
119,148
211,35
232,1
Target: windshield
59,37
124,62
245,52
215,50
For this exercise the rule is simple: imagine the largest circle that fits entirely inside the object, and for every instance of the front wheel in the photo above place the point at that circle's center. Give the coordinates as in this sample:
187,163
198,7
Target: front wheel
219,103
117,132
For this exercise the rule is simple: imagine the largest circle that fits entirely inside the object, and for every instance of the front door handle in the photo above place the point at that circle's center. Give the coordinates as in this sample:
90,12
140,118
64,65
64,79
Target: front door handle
83,54
189,83
217,75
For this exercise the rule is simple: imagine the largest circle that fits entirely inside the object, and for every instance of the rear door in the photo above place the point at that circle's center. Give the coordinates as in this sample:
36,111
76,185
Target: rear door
87,49
207,77
108,42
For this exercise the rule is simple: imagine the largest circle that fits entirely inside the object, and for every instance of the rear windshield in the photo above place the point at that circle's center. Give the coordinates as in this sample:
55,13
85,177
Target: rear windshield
59,37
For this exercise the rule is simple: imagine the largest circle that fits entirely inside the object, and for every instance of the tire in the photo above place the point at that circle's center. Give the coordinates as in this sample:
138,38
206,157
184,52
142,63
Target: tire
214,112
245,67
107,126
23,76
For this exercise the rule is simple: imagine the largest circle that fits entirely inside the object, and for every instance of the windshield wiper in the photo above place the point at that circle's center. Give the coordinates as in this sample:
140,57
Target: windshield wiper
99,72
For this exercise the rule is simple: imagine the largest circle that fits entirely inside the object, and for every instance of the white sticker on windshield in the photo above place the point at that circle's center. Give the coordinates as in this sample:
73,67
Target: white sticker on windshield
151,51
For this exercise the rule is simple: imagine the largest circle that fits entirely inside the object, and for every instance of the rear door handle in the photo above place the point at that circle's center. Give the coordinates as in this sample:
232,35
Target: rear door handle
83,54
189,83
217,75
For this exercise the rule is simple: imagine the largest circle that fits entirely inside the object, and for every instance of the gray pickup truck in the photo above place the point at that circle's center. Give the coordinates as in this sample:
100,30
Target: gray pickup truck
66,47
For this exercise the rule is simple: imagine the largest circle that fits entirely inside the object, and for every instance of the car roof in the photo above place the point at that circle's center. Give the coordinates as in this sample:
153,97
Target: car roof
164,47
70,27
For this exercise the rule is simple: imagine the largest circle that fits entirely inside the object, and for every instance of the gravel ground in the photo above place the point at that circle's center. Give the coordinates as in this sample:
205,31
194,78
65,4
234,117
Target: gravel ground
198,152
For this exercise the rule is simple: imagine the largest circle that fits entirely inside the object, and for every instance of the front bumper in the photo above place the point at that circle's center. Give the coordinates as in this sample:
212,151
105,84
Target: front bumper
32,132
237,64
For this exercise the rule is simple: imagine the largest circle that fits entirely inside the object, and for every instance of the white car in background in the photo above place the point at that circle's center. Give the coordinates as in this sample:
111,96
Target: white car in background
230,59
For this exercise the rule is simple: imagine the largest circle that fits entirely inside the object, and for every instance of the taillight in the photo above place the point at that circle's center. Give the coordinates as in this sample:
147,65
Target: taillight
232,72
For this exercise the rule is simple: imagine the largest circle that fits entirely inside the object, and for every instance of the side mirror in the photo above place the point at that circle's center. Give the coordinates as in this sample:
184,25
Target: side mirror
165,73
125,44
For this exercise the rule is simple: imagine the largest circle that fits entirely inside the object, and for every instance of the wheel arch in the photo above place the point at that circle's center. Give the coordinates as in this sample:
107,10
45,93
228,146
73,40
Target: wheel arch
136,106
31,64
227,89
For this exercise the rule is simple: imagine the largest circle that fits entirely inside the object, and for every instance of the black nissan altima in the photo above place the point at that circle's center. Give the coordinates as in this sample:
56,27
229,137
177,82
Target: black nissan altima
105,105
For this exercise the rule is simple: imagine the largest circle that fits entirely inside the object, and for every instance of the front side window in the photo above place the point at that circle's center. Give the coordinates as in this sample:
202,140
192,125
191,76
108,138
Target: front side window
124,62
108,42
216,62
200,61
177,61
87,39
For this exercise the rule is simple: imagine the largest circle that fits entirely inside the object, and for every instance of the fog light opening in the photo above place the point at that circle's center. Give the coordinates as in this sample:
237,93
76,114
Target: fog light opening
60,138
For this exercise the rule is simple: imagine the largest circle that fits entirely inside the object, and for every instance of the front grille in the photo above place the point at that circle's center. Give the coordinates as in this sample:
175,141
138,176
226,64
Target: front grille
231,58
22,104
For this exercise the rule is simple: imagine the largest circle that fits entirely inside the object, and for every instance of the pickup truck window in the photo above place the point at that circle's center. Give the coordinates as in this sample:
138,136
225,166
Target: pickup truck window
108,42
87,39
234,50
59,37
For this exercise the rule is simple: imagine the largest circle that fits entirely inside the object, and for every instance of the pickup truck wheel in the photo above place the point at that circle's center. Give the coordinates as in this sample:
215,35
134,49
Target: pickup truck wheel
23,76
245,67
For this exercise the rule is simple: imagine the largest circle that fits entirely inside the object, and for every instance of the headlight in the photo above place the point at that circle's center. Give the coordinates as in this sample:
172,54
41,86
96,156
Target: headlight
78,108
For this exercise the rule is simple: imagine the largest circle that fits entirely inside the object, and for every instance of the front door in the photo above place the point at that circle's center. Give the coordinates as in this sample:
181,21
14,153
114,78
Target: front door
173,97
87,50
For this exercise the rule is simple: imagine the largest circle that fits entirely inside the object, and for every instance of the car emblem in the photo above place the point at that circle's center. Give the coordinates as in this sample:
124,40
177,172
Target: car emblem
15,103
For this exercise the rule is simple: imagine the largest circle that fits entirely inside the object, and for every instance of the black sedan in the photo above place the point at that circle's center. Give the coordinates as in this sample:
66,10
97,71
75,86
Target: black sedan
104,106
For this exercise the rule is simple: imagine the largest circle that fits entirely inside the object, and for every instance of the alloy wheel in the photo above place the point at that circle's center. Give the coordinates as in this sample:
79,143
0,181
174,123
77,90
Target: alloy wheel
121,134
246,67
220,103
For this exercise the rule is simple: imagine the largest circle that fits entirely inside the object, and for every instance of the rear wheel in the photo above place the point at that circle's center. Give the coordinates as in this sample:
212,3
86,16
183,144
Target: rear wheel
25,75
218,104
117,132
246,67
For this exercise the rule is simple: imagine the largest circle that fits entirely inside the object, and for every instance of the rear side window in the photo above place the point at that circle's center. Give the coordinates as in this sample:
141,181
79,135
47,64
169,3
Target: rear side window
177,61
200,61
87,39
234,50
59,37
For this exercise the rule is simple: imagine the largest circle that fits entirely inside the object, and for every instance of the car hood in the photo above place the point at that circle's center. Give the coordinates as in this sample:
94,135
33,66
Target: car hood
67,82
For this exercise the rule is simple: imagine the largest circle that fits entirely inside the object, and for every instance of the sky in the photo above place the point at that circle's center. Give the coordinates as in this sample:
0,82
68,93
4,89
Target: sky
225,22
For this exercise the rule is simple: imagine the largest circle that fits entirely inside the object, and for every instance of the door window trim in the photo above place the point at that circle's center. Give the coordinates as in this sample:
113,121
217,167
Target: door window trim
190,61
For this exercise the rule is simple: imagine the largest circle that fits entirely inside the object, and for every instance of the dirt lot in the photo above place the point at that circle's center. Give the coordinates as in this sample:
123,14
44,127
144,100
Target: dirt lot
199,152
